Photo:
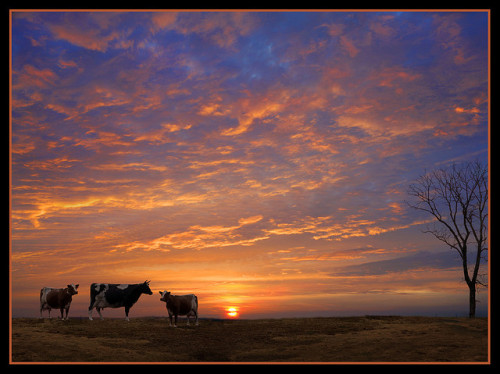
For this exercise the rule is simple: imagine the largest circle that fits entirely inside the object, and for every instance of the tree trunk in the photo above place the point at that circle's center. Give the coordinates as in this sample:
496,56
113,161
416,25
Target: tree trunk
472,300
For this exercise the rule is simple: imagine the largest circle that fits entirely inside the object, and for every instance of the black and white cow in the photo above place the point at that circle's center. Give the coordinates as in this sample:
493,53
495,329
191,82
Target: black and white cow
180,305
107,295
57,298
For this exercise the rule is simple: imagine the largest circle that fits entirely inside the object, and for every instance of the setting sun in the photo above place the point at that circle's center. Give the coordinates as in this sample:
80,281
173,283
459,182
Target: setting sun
232,312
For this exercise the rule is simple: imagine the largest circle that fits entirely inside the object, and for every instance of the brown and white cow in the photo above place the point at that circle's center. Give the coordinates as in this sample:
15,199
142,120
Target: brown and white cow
57,298
180,305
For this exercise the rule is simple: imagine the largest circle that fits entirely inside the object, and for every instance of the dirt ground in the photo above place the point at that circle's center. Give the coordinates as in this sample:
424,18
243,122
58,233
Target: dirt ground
338,339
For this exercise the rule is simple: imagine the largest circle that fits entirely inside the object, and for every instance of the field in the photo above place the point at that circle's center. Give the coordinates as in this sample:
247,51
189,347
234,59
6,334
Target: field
338,339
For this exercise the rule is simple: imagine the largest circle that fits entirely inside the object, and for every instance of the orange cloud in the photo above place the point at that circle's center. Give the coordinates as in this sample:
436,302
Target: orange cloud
160,136
258,107
129,166
102,138
199,237
463,110
48,207
397,208
213,110
62,162
328,228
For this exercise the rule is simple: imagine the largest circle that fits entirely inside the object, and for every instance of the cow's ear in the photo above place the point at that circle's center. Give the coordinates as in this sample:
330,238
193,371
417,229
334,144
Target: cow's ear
76,286
69,286
159,292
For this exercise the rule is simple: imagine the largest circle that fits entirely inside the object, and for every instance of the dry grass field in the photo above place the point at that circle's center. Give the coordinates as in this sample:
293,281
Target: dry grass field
339,339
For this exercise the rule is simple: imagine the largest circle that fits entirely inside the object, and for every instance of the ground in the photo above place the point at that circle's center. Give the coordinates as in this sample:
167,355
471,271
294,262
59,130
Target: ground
337,339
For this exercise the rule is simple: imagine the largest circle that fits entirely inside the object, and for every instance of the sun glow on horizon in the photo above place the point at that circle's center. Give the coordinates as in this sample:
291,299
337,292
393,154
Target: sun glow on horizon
232,312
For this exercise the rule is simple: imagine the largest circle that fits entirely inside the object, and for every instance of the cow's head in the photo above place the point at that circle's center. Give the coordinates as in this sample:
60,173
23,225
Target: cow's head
145,288
164,295
72,289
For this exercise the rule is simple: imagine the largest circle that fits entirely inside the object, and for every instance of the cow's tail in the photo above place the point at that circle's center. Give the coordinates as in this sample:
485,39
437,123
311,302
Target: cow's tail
196,303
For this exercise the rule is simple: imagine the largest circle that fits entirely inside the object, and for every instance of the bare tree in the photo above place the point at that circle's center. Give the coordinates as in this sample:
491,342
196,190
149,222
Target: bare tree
457,197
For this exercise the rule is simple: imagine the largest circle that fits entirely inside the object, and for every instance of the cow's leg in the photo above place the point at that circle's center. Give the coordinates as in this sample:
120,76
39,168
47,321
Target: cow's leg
99,311
91,306
175,321
196,318
127,308
41,308
187,316
170,319
49,314
67,311
62,313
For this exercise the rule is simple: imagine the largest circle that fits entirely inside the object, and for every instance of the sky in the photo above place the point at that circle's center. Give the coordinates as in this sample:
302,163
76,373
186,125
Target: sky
258,159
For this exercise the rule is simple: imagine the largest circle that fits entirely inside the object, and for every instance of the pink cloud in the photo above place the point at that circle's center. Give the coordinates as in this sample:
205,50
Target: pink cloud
222,28
449,34
88,38
31,76
162,20
348,46
334,29
381,28
389,77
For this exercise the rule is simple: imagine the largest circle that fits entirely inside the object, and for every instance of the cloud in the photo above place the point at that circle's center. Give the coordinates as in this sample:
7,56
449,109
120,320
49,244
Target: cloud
448,33
90,30
341,227
382,26
129,166
32,77
163,20
221,28
348,46
200,237
257,107
161,135
58,163
423,260
98,139
89,39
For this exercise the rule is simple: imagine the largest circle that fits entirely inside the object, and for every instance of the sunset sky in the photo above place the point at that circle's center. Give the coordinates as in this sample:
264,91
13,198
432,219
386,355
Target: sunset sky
260,160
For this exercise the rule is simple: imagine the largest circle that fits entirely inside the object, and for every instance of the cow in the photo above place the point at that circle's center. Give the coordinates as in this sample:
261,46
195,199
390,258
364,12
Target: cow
185,305
107,295
57,298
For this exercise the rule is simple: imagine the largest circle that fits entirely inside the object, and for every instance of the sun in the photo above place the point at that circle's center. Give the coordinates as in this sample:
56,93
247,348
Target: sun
232,312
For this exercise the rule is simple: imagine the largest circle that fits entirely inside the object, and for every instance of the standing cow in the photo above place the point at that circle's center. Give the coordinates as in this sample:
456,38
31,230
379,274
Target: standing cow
185,305
107,295
57,298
